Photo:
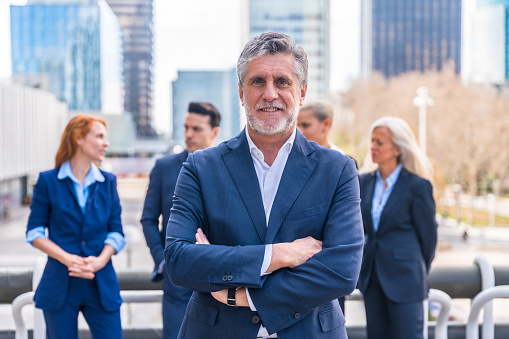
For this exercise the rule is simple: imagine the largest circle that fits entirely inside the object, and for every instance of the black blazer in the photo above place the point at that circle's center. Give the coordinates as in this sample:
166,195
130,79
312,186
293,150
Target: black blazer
404,246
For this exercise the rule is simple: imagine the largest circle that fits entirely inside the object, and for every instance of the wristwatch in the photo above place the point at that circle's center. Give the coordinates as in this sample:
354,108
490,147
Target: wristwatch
230,299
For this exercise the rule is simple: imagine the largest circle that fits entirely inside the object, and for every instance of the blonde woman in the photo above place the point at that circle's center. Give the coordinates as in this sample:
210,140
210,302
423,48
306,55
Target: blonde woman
398,212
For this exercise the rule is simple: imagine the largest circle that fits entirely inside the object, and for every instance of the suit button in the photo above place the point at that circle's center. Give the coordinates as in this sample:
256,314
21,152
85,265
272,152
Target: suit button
297,315
83,243
225,278
230,278
255,319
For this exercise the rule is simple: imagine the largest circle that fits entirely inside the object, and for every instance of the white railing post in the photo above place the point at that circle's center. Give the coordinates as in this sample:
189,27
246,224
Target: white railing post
487,281
39,323
17,305
478,303
443,317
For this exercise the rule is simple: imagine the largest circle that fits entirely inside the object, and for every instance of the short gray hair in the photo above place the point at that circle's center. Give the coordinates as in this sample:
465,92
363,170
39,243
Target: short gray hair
320,110
273,43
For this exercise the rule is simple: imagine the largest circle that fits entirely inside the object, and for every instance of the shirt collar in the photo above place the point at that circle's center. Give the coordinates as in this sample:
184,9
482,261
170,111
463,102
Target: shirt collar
92,176
288,144
391,179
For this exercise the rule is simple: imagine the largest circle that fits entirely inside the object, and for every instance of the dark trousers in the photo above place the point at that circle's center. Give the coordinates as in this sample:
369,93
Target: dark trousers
175,301
389,320
83,296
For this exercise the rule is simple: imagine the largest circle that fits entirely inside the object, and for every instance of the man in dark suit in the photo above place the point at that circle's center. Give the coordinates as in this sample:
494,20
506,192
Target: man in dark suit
266,228
201,128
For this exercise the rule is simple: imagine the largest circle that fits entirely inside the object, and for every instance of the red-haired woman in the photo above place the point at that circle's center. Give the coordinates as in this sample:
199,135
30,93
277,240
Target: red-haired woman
79,206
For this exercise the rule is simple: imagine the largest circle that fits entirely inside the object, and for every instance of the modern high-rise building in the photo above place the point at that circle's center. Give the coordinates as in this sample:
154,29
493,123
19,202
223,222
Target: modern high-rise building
78,44
490,42
400,36
135,18
217,87
307,22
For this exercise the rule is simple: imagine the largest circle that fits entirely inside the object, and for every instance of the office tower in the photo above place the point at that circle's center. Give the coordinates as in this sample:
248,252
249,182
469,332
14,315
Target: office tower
217,87
78,43
490,42
400,36
307,22
135,18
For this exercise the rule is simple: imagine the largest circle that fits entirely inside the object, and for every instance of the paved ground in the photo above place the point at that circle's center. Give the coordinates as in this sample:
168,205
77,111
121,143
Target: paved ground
493,243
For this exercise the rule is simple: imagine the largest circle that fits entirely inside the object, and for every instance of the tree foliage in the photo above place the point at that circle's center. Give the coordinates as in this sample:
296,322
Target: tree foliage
467,128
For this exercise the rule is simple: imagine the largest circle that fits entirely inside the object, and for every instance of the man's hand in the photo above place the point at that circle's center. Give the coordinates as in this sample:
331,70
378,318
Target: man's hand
201,238
294,253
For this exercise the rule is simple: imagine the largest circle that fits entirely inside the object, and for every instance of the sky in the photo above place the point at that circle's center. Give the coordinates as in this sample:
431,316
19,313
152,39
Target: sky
204,34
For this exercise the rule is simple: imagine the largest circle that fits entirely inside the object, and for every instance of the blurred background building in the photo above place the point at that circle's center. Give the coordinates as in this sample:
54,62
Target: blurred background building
308,23
400,36
135,18
77,44
32,121
490,42
217,87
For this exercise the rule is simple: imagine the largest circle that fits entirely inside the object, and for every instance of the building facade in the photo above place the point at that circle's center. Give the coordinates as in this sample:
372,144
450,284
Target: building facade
77,44
307,22
135,18
490,42
31,121
217,87
400,36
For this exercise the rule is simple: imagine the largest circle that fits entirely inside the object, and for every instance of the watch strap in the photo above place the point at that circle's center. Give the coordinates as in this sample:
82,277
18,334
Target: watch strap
230,299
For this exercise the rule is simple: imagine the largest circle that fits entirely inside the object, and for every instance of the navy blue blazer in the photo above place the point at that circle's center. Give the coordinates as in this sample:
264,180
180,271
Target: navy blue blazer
404,246
218,190
159,200
55,206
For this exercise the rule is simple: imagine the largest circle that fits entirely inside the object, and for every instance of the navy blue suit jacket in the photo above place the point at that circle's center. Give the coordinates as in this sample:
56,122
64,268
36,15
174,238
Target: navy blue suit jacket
55,206
404,246
218,190
159,200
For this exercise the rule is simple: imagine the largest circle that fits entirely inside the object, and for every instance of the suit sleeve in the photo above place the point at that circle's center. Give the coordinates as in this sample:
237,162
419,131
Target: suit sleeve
204,268
329,274
115,221
423,214
150,218
40,207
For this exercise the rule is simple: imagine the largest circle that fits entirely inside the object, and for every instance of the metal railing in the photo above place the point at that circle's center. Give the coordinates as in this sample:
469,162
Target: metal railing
478,303
40,331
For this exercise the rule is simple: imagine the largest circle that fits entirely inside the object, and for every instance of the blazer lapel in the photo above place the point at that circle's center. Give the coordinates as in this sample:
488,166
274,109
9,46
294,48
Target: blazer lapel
299,167
367,201
70,186
240,165
392,203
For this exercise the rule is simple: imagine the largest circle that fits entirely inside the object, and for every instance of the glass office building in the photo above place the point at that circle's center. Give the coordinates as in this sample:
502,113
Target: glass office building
217,87
307,22
135,18
79,44
399,36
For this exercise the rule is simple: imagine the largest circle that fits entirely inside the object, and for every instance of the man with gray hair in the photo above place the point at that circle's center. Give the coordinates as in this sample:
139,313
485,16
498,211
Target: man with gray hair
262,230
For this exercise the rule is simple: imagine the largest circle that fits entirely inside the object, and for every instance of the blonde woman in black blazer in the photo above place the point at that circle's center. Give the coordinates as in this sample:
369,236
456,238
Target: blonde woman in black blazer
398,212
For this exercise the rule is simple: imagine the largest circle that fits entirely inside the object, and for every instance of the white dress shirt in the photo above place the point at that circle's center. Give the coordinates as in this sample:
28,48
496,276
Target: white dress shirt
381,194
268,179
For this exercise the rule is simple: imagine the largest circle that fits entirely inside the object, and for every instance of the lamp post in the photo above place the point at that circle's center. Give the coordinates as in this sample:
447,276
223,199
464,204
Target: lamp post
422,100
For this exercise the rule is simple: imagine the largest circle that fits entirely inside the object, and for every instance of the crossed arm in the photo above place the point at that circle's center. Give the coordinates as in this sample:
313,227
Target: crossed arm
288,254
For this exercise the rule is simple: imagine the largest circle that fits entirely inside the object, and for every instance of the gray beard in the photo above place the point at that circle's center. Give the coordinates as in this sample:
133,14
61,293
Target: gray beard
271,126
